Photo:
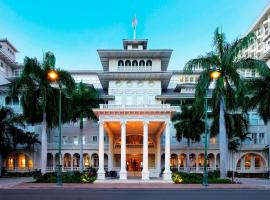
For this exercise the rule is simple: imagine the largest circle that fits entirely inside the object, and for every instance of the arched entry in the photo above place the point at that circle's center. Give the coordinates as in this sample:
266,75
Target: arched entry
50,160
192,161
211,161
174,163
251,162
86,160
76,161
200,160
67,161
19,161
182,161
94,159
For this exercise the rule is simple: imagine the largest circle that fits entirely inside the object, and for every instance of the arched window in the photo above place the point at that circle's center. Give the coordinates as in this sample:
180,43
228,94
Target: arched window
16,100
148,63
120,63
134,63
128,63
141,63
8,100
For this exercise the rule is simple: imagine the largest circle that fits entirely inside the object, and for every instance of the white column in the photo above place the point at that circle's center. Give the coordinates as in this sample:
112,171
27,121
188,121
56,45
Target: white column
123,171
167,172
53,163
158,157
110,155
101,172
145,171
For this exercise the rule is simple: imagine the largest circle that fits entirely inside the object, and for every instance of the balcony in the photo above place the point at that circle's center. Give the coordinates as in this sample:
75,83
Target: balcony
137,106
134,148
72,146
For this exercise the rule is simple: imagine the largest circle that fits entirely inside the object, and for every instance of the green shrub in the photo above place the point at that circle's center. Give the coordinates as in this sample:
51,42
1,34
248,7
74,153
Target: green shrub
193,178
86,178
67,177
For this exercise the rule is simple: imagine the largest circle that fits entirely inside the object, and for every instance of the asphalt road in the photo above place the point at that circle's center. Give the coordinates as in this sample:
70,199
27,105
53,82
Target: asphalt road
145,194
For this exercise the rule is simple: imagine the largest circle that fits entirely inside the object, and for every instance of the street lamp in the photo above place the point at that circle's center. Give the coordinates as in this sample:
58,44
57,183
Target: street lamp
53,76
214,74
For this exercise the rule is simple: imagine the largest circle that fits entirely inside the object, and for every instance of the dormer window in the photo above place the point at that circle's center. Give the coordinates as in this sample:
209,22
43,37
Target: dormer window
148,63
134,63
128,63
120,63
141,63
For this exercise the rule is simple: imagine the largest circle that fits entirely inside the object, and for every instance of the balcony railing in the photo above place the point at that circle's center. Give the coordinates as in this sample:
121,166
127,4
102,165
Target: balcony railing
75,146
252,170
157,106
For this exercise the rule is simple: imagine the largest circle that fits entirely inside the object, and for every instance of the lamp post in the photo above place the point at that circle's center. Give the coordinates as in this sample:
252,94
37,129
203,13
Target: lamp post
53,76
214,74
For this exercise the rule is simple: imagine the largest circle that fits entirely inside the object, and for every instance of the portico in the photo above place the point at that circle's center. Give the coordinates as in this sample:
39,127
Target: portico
138,133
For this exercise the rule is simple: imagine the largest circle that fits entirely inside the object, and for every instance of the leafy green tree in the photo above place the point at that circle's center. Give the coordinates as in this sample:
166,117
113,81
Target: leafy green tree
188,124
11,132
229,90
40,100
84,99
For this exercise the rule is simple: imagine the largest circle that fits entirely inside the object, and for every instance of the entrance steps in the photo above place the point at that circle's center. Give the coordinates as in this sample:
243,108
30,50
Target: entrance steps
133,180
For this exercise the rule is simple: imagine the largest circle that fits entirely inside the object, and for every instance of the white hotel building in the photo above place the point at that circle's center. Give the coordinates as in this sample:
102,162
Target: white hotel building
137,135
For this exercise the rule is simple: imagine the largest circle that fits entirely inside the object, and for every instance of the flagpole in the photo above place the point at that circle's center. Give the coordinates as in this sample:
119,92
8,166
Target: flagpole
134,33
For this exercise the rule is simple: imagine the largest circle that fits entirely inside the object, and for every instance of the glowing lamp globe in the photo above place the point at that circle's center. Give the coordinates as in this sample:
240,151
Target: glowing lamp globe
52,75
215,74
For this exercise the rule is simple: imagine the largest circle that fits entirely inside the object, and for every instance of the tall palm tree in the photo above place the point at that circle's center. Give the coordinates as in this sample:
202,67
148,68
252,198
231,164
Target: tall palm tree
11,126
188,124
84,99
40,99
228,93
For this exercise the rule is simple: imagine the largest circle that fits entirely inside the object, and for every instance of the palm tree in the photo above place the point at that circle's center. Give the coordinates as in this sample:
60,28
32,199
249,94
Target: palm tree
84,99
40,99
228,93
10,132
188,124
31,139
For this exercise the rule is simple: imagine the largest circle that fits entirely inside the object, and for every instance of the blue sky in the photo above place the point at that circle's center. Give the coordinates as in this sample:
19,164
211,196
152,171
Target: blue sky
74,30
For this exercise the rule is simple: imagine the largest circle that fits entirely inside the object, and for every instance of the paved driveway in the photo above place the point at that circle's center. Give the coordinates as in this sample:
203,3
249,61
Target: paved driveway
11,182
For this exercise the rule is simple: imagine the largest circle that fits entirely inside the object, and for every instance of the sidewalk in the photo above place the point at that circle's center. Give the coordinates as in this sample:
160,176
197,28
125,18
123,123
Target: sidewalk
12,182
129,186
26,183
255,182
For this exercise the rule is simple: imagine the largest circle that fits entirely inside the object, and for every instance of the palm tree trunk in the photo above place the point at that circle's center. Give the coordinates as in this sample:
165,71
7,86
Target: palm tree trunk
223,144
81,143
188,152
44,144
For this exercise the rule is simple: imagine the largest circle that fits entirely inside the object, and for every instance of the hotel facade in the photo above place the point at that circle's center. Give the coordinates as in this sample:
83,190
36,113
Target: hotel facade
134,134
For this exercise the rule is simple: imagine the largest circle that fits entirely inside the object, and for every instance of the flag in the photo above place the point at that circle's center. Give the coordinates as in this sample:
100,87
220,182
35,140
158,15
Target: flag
134,22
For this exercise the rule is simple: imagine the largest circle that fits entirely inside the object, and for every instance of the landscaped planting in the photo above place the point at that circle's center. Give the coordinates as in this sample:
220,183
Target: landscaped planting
67,177
192,178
